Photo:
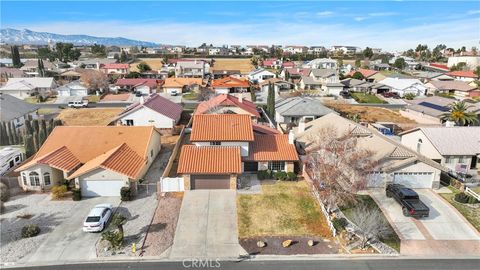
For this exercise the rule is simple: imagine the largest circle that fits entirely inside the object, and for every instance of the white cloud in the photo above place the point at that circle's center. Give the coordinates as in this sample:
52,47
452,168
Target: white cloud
359,19
453,33
382,14
324,13
471,12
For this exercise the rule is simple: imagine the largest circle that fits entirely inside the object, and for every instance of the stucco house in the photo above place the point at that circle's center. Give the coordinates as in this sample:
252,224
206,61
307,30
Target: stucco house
182,85
25,87
230,85
458,89
154,111
396,162
297,111
457,148
223,104
259,75
368,74
15,110
228,146
405,86
98,160
115,69
72,89
190,69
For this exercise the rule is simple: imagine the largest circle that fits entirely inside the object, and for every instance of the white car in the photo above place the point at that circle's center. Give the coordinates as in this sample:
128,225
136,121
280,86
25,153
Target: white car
98,218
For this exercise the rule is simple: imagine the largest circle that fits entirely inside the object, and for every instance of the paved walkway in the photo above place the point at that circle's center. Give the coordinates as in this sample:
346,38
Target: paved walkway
68,242
207,226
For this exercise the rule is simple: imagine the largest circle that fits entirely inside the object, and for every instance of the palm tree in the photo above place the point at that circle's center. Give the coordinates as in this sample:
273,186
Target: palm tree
458,114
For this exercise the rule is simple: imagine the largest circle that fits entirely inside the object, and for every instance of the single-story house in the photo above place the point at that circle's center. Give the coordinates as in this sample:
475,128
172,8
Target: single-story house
426,76
279,85
72,89
182,85
457,148
222,73
297,111
7,72
116,68
30,67
458,89
98,160
396,163
259,75
355,85
466,76
154,111
142,85
70,75
405,86
26,87
225,103
368,74
227,146
15,110
229,84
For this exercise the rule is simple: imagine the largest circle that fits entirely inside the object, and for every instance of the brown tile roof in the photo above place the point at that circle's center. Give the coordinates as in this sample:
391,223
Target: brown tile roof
230,82
61,159
272,148
227,100
181,82
209,160
121,159
221,127
88,144
263,129
365,72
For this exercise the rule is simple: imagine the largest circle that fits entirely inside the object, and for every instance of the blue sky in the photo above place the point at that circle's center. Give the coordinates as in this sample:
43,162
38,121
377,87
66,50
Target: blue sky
392,25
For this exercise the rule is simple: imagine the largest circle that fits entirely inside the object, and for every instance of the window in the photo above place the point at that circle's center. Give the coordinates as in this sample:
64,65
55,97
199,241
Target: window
24,178
448,159
215,143
34,179
276,165
129,122
419,145
461,159
46,179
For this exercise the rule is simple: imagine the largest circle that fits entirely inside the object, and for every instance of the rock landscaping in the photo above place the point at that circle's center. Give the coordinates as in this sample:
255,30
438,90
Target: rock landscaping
275,245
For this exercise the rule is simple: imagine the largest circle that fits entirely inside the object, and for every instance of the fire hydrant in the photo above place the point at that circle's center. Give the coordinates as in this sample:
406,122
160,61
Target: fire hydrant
134,247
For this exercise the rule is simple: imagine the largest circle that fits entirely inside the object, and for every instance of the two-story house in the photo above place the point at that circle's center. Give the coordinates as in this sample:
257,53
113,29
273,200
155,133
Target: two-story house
116,69
457,148
225,145
324,80
190,69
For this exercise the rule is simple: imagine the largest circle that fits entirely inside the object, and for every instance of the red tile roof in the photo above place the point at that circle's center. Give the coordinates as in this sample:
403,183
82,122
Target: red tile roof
272,148
467,74
62,159
288,64
116,66
152,83
158,104
365,72
263,129
440,66
230,82
227,100
209,160
221,127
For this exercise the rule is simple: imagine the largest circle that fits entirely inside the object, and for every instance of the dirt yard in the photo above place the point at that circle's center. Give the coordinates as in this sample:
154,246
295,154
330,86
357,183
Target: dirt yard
88,117
154,63
371,114
244,65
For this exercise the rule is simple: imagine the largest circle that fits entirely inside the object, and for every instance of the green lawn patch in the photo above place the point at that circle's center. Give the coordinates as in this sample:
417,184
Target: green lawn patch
393,240
471,214
366,98
190,96
93,98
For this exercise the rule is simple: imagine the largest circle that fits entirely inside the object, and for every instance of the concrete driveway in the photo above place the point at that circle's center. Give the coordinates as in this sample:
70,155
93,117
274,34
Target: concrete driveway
207,226
445,231
68,242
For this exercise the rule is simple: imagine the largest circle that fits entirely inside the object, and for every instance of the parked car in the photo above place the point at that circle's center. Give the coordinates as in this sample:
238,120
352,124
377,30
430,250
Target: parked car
345,94
390,95
173,92
98,218
409,200
78,104
138,94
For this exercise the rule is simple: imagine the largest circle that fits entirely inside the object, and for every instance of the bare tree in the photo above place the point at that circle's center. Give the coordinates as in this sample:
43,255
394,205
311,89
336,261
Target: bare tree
338,166
94,80
371,225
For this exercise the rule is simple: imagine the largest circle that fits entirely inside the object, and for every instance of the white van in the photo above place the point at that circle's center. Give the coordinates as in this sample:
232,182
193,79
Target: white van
78,104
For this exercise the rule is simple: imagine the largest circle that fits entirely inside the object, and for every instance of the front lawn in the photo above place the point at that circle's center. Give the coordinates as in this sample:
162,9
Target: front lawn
88,116
93,98
283,208
190,96
366,98
393,240
471,214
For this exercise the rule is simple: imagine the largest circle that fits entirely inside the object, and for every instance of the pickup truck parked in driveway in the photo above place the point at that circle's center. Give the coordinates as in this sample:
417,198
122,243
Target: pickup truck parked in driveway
409,200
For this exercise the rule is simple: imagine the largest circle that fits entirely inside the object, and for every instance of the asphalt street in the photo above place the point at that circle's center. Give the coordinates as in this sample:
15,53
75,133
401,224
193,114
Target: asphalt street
343,264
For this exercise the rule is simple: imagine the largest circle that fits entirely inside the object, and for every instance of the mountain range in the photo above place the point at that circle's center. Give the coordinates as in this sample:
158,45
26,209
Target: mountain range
25,36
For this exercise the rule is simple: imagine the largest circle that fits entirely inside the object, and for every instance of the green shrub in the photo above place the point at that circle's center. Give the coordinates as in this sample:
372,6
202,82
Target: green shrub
291,176
126,194
472,200
339,224
77,194
30,230
59,191
264,174
461,197
115,238
409,96
281,175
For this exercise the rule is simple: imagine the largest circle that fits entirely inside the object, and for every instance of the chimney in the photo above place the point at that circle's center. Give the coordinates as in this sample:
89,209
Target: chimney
449,124
301,126
291,137
240,97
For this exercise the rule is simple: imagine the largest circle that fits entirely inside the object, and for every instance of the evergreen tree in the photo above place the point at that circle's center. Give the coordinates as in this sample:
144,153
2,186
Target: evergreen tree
36,146
50,126
57,122
15,133
271,101
16,57
42,136
3,134
29,146
10,138
35,125
123,57
28,126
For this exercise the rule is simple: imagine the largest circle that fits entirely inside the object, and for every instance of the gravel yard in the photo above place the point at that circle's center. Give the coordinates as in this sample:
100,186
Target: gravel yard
161,233
45,213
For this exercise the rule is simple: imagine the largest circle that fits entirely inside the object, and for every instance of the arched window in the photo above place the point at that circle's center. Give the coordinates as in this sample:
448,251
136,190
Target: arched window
419,145
46,179
34,179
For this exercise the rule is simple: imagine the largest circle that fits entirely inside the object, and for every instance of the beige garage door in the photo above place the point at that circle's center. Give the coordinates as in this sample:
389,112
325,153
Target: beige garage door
210,182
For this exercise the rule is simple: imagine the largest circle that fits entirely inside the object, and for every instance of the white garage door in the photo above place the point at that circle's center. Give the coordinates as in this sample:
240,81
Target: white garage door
79,93
92,188
414,179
